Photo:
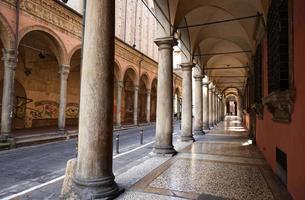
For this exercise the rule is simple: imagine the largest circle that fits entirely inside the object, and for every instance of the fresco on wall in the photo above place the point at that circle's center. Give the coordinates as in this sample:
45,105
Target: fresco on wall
72,110
47,111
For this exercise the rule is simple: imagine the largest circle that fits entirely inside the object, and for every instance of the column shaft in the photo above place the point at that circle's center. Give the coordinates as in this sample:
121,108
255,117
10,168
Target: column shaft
93,174
148,106
64,72
240,107
205,105
198,114
119,103
135,105
178,108
186,123
215,107
10,63
211,124
164,121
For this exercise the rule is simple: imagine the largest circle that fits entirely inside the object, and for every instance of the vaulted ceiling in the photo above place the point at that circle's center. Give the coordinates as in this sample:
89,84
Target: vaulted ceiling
221,35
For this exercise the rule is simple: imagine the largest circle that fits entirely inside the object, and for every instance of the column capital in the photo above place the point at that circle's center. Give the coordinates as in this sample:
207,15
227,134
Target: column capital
136,88
187,66
64,70
148,91
9,58
120,84
166,42
198,77
205,83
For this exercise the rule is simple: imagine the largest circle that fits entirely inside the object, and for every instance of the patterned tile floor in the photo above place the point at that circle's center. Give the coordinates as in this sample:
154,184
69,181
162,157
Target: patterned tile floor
220,165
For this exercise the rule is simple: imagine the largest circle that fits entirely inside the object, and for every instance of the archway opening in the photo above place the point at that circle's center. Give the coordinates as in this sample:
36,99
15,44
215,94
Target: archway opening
153,105
39,55
128,95
117,78
143,98
73,92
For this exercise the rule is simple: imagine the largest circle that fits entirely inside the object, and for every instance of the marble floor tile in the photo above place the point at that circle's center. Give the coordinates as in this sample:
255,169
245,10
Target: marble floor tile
219,179
132,195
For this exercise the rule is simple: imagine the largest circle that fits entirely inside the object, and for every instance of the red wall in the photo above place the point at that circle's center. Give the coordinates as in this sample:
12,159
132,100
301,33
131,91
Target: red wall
289,137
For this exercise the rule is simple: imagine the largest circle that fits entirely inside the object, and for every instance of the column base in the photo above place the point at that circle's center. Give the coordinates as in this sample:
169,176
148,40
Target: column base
62,131
5,136
104,188
187,138
206,128
199,132
164,150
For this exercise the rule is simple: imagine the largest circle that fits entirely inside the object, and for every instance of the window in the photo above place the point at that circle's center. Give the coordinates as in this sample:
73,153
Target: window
278,46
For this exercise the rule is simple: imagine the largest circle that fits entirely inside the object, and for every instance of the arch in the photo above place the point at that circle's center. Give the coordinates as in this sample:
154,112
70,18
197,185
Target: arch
153,102
60,51
131,72
75,49
177,91
117,70
7,36
142,95
145,78
230,87
129,83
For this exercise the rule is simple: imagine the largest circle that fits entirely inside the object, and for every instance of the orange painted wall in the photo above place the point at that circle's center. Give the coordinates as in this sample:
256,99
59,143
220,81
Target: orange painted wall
289,137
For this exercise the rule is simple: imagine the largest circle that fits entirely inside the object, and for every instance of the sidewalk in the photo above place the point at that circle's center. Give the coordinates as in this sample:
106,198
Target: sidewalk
220,165
43,135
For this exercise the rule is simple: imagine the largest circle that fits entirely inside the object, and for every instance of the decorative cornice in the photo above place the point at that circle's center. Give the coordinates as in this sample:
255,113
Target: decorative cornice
51,13
280,104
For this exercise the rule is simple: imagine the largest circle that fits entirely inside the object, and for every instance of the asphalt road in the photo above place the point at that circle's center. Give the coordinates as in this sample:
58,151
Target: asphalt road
26,167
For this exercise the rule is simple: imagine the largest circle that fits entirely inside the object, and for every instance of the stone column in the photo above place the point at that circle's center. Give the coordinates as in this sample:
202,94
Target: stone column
135,105
164,121
198,105
93,173
211,124
10,63
205,102
217,108
174,106
64,73
240,107
178,108
148,106
120,87
187,118
214,106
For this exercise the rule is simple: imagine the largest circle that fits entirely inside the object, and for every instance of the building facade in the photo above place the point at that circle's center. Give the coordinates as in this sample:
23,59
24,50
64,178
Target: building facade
43,67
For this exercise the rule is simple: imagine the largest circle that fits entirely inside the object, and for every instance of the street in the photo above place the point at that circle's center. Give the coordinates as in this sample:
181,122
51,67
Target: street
26,167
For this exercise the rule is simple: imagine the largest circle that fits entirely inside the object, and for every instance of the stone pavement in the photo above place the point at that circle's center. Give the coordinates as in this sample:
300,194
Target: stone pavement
220,165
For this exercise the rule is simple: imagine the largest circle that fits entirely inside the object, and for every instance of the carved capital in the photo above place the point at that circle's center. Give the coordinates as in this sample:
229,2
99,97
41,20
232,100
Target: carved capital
280,104
120,84
187,66
198,78
10,61
64,70
258,109
166,42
